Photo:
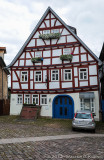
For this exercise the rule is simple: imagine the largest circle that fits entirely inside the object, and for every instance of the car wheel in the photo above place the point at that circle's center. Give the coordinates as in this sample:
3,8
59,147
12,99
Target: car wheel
73,129
93,131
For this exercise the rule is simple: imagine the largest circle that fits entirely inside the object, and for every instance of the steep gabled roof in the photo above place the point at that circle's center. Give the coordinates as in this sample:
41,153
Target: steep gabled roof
101,57
49,9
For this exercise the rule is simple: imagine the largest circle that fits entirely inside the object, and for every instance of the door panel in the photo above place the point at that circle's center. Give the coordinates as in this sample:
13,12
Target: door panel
63,107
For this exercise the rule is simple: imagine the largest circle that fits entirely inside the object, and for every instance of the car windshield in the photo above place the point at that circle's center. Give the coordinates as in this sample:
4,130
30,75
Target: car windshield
83,116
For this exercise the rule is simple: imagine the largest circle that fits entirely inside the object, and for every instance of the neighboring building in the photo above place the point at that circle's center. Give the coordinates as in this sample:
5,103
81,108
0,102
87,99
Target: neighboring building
3,75
101,71
60,86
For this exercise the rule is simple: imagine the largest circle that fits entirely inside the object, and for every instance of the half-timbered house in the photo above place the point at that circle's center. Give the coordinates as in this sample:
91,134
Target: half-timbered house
55,69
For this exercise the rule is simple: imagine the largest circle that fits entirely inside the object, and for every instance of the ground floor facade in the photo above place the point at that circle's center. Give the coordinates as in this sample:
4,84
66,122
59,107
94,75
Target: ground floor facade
62,106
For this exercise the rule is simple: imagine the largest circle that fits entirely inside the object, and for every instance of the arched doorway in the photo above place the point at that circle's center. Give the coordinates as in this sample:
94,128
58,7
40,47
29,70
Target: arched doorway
63,107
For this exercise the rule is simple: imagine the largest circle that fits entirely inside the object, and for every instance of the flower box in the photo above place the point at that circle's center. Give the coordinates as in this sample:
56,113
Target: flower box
67,57
50,36
37,60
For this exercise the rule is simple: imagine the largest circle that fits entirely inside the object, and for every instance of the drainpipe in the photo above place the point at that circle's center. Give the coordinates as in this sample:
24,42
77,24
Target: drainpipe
100,105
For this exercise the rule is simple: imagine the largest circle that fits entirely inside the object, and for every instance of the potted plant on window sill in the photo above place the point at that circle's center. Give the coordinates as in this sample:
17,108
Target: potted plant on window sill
36,59
67,57
50,36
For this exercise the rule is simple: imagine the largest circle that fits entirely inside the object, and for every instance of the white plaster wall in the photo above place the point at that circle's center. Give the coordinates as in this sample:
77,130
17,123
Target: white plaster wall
56,61
84,83
15,85
23,55
36,35
52,16
42,25
93,80
54,41
58,23
66,84
75,71
32,43
31,84
62,40
46,61
41,86
15,108
47,42
75,59
65,32
56,52
46,53
76,82
90,58
52,22
53,85
47,16
82,50
93,70
28,55
76,51
83,57
40,42
21,63
71,39
14,77
31,74
29,63
47,23
24,86
16,64
44,75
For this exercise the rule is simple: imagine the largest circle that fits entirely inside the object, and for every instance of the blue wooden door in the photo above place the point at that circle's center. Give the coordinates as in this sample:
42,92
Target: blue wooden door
63,107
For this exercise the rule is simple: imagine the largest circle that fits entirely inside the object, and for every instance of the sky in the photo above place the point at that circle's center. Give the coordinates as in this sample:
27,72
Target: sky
19,17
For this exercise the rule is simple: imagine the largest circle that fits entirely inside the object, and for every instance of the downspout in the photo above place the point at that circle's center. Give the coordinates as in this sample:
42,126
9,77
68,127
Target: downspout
100,106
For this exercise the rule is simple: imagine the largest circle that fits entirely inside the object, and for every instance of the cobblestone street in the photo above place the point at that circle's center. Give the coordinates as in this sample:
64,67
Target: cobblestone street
72,149
24,140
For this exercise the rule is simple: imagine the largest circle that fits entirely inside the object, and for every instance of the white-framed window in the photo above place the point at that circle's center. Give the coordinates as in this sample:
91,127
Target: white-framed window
24,76
38,54
27,99
67,74
19,99
43,99
35,98
87,104
55,31
54,75
38,76
46,32
67,51
83,74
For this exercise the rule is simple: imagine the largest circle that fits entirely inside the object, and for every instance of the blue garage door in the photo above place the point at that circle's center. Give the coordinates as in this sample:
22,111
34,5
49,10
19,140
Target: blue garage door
63,107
